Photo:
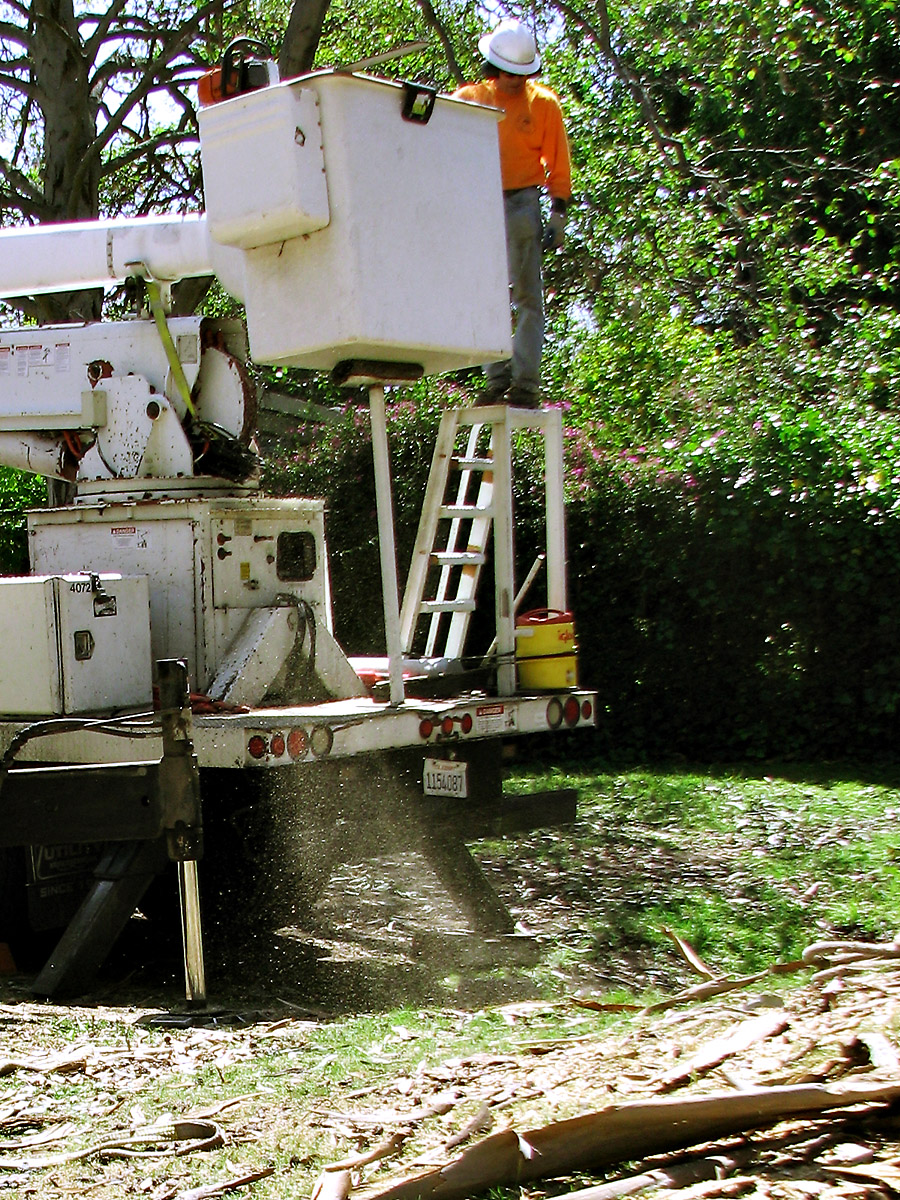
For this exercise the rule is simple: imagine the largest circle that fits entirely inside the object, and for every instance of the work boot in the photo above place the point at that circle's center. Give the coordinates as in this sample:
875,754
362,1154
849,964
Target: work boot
494,393
522,397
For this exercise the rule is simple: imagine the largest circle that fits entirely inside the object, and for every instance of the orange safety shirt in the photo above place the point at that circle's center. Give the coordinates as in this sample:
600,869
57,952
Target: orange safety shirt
534,149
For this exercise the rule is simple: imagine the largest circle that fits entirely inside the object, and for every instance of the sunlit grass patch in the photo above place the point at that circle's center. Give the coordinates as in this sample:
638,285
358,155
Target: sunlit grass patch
747,867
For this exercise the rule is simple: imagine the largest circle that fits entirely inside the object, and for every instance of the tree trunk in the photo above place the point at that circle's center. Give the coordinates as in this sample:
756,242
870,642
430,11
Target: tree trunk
301,38
71,174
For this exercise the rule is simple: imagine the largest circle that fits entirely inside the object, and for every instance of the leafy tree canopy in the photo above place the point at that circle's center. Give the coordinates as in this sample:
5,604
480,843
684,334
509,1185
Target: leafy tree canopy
736,165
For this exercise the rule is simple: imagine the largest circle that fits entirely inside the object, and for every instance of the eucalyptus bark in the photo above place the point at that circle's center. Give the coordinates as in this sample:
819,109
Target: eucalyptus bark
71,174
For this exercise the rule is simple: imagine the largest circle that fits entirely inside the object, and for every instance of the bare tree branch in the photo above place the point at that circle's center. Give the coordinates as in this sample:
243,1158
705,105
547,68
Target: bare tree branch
104,23
433,21
13,33
157,73
22,86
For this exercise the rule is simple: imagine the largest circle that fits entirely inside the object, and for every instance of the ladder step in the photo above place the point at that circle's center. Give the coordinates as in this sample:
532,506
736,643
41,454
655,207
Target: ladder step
473,464
451,606
465,511
458,558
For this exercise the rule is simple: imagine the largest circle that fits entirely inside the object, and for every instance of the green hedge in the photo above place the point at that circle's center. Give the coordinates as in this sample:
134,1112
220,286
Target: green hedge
735,586
18,492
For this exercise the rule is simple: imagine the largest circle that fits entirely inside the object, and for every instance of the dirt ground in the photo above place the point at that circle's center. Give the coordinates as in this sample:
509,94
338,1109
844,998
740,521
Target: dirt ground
127,1094
82,1088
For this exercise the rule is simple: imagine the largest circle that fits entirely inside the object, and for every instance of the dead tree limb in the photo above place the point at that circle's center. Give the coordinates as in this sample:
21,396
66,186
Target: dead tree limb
624,1132
745,1035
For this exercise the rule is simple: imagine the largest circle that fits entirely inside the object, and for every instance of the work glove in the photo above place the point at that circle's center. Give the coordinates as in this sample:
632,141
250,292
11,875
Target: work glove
554,230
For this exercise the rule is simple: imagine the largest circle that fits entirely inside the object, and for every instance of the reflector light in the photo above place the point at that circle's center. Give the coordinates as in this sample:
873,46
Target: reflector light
426,728
571,711
276,745
466,723
297,743
256,747
554,713
321,740
447,726
587,710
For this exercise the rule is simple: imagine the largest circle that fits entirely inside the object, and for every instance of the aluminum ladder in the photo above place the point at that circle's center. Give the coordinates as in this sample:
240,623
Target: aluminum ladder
458,519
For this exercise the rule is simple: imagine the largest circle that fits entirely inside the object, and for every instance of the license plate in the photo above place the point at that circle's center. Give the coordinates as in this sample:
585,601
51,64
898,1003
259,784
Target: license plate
443,778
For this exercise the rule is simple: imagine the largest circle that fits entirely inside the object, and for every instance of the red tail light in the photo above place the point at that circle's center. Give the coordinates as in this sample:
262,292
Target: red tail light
297,743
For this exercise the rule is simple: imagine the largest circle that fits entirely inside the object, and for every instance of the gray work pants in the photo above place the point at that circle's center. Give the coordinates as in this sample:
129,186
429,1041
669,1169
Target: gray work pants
523,254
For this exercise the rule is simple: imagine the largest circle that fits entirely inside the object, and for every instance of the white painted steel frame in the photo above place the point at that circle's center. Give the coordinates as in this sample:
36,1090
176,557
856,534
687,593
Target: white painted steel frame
386,544
360,726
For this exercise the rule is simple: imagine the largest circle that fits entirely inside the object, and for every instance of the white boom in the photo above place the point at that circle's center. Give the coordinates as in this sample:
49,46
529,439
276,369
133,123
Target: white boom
85,254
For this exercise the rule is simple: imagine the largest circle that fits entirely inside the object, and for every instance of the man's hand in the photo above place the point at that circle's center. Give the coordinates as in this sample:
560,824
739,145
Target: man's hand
555,229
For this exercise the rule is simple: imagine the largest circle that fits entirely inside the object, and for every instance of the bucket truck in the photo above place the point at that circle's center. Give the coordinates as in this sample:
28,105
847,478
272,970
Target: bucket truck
173,645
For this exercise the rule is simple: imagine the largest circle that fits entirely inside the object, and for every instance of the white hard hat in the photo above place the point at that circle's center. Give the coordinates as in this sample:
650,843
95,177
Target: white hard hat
511,48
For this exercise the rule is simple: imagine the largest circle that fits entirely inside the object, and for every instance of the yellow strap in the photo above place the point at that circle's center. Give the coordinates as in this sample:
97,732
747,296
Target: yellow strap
165,334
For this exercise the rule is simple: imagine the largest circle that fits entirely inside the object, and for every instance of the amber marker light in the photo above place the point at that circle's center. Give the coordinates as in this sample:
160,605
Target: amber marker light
321,740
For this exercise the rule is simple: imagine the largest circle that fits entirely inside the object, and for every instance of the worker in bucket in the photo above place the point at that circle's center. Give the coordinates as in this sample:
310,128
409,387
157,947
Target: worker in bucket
534,155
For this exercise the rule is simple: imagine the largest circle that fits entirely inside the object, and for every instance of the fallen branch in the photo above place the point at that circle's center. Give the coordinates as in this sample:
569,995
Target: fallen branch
689,954
206,1113
601,1006
209,1190
747,1034
678,1175
382,1150
624,1132
705,991
480,1123
57,1134
62,1063
180,1137
852,965
823,951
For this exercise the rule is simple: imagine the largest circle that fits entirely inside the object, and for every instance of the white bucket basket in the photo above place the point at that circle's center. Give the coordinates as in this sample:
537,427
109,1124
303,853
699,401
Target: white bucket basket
411,265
